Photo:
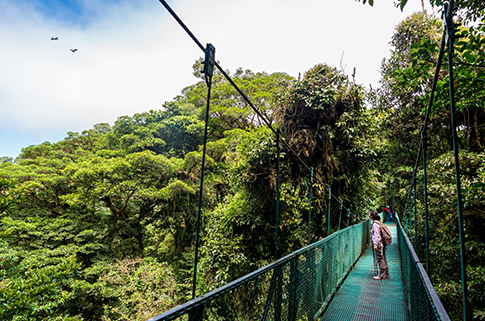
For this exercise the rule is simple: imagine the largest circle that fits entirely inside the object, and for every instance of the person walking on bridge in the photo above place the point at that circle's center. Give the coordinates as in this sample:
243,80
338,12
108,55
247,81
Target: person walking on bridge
379,248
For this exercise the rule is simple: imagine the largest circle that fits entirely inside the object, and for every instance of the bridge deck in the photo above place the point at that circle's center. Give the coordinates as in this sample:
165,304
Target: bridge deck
363,298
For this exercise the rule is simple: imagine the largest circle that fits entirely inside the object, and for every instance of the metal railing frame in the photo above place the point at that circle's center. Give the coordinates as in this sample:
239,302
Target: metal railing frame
194,309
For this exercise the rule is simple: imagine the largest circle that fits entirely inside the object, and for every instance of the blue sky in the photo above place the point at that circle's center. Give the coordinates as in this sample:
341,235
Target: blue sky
63,11
132,56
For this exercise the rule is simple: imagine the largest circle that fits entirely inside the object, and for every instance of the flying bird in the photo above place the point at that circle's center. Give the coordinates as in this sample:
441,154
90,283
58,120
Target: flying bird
73,50
54,38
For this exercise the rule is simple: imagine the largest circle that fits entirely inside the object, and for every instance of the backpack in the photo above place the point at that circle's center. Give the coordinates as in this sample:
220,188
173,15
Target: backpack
385,235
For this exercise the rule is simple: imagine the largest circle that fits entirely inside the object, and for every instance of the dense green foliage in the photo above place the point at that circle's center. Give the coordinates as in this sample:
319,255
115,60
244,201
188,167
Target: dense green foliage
101,225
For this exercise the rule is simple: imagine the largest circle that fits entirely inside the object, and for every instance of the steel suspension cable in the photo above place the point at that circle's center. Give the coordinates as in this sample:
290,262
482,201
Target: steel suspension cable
450,28
277,194
425,147
415,213
310,207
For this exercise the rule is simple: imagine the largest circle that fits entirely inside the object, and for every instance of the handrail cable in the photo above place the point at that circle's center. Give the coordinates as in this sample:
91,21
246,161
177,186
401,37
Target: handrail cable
243,95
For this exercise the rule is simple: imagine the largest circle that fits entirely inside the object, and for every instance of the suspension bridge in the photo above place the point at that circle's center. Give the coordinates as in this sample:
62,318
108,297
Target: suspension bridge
331,279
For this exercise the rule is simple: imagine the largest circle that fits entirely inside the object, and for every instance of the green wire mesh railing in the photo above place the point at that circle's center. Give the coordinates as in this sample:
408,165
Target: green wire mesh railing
295,287
423,302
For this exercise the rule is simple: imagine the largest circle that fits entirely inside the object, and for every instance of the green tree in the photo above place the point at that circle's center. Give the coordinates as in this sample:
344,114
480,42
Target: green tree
10,195
145,288
169,132
322,119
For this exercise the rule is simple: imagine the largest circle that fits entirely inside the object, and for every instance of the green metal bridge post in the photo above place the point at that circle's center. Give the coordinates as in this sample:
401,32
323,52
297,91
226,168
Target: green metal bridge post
348,217
340,216
425,148
407,219
310,273
329,202
197,314
278,300
408,216
310,210
385,195
415,214
275,285
410,232
293,290
278,133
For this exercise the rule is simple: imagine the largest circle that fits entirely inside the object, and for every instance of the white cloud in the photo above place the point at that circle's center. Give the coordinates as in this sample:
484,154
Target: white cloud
132,56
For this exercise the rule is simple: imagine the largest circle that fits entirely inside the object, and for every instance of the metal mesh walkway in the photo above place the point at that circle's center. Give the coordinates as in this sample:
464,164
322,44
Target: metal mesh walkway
363,298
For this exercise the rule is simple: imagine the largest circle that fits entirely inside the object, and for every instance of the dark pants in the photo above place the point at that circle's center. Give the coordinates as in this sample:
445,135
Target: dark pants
382,261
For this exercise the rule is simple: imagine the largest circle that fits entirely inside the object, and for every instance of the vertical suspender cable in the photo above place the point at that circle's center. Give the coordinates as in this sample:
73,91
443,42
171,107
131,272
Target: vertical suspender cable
340,215
208,71
450,28
310,209
278,134
406,215
425,148
329,201
410,213
415,213
385,195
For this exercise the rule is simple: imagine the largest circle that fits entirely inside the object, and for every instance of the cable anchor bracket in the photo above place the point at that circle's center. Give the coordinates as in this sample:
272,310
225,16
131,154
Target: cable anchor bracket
209,60
448,24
